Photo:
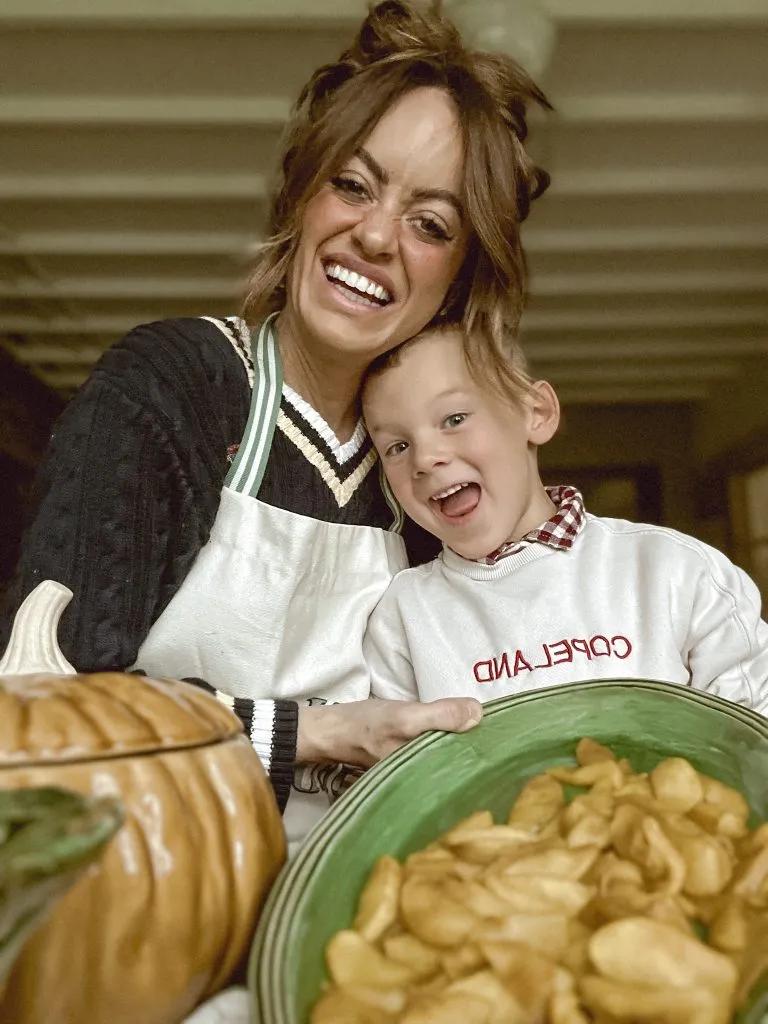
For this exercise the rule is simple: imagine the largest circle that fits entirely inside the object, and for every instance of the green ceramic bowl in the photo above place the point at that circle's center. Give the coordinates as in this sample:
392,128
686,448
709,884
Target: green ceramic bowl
424,788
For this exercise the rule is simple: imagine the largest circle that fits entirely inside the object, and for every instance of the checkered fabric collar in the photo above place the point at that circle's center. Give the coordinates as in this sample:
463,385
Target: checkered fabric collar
559,531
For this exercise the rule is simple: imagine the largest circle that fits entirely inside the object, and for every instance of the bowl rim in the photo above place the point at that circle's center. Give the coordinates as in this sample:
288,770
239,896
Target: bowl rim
279,914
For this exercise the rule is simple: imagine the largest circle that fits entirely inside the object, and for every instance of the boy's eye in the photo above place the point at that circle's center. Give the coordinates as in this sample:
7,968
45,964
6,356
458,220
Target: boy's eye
395,449
455,419
350,188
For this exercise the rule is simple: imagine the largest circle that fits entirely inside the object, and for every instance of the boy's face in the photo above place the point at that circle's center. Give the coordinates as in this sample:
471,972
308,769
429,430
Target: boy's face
460,461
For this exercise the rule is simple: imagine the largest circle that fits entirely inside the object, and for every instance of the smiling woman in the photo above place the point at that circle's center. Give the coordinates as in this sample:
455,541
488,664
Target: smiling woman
211,496
391,223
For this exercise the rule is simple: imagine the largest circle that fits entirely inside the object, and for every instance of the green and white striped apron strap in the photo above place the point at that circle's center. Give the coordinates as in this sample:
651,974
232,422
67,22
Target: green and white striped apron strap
247,469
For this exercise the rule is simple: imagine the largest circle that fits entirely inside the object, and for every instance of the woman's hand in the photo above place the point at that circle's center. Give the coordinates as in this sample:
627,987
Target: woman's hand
364,731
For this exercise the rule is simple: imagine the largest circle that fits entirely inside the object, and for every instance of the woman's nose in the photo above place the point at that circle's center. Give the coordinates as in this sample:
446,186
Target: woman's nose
376,231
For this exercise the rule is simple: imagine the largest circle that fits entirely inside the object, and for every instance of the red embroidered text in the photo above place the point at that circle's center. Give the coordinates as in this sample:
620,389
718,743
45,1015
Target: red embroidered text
511,663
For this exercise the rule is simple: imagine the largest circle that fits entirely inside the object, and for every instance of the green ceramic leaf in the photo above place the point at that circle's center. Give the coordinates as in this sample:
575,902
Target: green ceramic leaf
425,787
47,837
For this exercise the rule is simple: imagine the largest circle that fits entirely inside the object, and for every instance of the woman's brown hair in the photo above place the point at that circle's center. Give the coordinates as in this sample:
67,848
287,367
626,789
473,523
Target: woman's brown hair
399,48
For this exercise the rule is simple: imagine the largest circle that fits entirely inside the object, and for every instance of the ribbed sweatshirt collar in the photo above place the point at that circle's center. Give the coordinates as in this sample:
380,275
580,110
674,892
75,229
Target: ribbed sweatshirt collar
505,567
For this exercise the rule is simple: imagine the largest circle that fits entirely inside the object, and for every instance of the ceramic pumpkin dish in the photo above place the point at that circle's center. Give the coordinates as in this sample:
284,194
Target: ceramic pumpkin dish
48,837
166,916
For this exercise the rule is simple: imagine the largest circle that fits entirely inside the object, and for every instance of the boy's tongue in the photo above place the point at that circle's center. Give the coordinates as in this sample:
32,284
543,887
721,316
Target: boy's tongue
461,502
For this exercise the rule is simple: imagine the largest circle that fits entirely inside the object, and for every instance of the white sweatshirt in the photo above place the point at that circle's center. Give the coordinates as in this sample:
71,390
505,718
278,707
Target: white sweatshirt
627,601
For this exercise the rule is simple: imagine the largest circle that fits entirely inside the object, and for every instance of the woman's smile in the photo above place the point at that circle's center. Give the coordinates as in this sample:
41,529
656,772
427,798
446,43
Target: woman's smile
358,283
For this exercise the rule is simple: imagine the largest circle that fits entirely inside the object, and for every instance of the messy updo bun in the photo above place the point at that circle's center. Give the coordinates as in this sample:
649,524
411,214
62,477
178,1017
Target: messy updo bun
399,48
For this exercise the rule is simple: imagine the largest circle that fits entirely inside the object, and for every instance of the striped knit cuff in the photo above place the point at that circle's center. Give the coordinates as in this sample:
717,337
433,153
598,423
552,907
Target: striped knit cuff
285,726
271,726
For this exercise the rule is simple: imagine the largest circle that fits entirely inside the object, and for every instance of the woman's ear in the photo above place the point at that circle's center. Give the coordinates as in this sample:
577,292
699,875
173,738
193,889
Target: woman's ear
543,413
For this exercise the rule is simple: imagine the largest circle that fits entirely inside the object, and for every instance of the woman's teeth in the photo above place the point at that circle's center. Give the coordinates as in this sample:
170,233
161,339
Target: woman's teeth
359,287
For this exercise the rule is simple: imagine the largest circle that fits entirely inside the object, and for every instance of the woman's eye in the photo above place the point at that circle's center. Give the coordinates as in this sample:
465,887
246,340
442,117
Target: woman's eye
455,420
395,449
433,228
351,188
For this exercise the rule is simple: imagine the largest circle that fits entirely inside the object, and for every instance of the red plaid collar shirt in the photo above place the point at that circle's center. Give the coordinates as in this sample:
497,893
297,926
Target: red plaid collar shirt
559,531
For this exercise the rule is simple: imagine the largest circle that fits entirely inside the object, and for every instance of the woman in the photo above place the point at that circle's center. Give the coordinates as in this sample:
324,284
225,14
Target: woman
404,182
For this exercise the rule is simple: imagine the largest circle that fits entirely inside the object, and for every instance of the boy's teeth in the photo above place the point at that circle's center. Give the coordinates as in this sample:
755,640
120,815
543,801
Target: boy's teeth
447,491
359,282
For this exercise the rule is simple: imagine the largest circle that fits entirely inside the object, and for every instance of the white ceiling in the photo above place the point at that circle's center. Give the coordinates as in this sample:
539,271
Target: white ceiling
137,138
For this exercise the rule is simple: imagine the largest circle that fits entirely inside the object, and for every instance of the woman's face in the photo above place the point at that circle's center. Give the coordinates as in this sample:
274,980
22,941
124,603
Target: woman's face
382,241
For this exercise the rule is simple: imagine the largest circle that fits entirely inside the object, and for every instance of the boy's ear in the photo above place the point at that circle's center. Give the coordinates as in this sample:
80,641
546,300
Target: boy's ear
544,413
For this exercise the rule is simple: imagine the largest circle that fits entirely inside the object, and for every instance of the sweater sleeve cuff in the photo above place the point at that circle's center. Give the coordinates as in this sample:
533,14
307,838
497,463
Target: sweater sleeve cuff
284,749
271,726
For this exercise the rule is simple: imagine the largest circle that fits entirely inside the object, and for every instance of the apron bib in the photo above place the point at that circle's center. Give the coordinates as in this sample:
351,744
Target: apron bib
276,604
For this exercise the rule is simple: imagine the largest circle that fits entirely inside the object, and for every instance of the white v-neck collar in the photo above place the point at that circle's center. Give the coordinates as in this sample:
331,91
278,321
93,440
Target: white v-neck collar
341,452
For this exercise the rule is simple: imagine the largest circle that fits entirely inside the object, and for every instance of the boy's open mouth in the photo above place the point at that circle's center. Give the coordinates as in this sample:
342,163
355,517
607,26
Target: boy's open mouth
457,500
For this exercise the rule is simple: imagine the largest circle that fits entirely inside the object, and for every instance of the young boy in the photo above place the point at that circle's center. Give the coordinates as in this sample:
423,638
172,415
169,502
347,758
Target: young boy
530,590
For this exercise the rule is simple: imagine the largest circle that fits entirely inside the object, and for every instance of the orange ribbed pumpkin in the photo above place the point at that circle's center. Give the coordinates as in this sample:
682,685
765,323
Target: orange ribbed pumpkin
167,914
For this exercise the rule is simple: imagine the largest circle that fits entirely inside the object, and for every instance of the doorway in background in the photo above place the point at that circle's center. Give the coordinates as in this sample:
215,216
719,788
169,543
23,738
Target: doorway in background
620,492
748,513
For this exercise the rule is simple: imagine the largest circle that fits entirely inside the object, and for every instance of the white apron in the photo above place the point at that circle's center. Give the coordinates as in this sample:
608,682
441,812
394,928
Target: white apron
276,604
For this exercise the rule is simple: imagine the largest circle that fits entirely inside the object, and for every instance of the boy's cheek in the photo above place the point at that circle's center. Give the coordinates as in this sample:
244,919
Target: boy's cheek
406,499
421,515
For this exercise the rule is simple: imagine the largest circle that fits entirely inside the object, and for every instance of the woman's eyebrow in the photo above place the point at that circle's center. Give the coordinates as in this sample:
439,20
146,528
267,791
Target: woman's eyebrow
443,194
420,194
373,166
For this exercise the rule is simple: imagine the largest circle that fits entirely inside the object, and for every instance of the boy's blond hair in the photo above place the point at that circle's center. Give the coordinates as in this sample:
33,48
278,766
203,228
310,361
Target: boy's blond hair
506,373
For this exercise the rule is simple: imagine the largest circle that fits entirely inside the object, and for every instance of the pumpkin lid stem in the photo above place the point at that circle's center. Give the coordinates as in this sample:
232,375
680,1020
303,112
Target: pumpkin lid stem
34,646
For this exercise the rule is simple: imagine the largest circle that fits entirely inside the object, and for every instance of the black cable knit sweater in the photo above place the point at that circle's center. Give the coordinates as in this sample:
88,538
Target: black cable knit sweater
129,490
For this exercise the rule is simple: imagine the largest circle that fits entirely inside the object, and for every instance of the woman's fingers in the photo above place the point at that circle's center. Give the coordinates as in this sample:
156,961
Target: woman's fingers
407,719
362,732
450,714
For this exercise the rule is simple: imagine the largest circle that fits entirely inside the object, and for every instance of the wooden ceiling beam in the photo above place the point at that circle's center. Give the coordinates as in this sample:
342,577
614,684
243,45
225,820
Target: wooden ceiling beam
542,354
122,288
665,238
647,283
655,12
181,187
347,12
211,186
645,374
252,112
570,390
127,243
188,14
544,285
661,181
621,350
65,356
633,395
652,319
544,241
671,108
256,112
74,326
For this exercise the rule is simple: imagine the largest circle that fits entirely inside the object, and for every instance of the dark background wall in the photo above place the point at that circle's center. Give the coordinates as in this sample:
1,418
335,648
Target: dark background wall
27,413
